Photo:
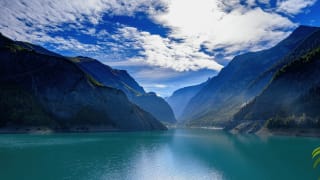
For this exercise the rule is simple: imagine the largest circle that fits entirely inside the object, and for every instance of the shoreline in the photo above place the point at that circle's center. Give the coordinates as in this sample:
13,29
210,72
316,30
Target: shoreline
46,130
296,132
207,127
290,132
262,132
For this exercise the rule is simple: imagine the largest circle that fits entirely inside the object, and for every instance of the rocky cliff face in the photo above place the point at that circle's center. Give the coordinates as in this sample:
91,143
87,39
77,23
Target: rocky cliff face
43,89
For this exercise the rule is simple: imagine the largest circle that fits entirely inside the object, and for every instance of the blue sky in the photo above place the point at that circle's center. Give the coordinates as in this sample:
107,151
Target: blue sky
163,44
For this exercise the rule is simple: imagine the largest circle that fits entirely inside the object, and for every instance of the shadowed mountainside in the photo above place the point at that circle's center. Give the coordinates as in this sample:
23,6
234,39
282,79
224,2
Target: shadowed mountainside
291,100
39,88
239,82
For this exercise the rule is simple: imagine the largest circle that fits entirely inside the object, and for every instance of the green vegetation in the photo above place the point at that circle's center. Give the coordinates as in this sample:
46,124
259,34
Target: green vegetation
296,65
94,81
293,121
315,155
15,48
75,59
79,59
130,89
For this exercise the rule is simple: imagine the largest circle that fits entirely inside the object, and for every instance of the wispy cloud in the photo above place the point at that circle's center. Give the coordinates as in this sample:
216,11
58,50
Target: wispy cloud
161,86
200,30
156,74
22,19
293,7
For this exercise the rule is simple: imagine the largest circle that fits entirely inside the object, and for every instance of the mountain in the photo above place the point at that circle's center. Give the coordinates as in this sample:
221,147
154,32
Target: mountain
41,89
104,74
181,97
36,48
121,80
239,82
292,98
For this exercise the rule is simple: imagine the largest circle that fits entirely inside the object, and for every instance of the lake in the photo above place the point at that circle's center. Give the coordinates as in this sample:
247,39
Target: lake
173,154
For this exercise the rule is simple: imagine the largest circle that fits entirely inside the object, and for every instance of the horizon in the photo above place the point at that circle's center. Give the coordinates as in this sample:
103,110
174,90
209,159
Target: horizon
162,45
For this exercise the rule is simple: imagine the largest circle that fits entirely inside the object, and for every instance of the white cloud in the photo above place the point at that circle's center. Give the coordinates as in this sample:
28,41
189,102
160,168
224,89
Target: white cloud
218,24
167,53
293,6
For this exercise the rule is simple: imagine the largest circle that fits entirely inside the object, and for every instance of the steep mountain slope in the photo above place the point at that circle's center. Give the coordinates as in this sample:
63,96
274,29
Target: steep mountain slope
43,89
291,100
181,97
118,79
121,80
232,88
309,43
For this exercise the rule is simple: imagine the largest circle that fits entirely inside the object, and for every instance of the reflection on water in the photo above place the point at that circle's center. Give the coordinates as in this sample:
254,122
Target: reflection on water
175,154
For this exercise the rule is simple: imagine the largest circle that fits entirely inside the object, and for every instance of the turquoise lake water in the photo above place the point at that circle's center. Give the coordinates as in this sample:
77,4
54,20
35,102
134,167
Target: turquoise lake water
173,154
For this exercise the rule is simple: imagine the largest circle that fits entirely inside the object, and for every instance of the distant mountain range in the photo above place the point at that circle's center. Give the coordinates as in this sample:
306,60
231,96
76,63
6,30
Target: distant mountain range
269,88
39,88
181,97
